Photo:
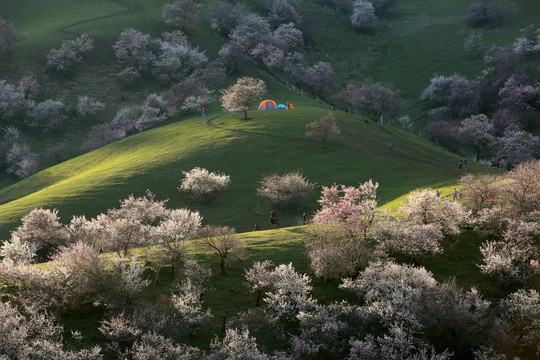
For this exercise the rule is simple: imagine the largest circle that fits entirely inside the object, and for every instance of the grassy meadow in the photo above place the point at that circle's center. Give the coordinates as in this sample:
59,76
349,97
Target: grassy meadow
270,142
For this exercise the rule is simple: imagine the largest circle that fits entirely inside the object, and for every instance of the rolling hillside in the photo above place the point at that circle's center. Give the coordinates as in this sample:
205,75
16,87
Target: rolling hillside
414,40
271,142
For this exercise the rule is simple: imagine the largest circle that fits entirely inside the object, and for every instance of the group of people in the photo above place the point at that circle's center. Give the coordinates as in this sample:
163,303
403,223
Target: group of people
462,163
201,111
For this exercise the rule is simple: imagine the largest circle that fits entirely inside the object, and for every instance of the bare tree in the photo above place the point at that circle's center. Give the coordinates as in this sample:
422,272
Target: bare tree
223,242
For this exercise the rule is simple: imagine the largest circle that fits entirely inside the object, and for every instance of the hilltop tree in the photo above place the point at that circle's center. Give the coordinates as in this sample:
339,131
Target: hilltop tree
323,128
242,95
7,34
369,98
181,13
477,131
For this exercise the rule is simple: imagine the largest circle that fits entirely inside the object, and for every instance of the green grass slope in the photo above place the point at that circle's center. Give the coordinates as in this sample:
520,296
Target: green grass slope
271,142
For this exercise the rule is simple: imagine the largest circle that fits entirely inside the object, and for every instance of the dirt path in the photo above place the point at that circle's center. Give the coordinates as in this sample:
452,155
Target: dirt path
63,28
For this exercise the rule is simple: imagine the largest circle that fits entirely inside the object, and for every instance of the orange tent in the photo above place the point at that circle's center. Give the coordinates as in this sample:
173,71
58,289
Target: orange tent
268,105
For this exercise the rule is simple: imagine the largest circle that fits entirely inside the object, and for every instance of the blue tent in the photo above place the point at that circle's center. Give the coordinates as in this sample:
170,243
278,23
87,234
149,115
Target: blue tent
281,106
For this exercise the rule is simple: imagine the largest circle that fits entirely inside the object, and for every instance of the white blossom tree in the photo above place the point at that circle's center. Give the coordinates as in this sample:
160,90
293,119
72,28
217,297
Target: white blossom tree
64,58
181,13
31,334
242,95
260,277
18,251
135,50
172,233
290,292
87,107
288,38
46,115
251,31
202,183
477,131
515,257
521,315
424,207
285,189
363,16
42,228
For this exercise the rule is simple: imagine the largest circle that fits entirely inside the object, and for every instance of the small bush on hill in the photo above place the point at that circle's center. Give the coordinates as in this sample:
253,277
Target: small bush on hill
285,189
201,183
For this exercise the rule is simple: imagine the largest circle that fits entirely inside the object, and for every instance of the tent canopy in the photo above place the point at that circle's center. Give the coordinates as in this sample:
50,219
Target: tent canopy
281,106
268,105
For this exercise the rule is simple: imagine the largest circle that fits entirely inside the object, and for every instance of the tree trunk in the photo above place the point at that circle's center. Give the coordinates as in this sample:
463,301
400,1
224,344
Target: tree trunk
222,265
245,114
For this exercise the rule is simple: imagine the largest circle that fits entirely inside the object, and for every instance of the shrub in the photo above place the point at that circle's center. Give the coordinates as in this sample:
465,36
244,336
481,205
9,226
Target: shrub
285,189
201,183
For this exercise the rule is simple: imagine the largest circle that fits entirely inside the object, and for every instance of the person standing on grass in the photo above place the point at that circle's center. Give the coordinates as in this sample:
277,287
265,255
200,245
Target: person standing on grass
455,194
460,164
465,164
438,194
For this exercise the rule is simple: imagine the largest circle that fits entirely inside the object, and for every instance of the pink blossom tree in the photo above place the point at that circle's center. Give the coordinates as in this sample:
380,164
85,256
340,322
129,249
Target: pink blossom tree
348,206
323,128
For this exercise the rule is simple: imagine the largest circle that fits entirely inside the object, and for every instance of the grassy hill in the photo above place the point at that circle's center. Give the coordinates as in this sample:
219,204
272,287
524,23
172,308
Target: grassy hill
414,40
270,142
